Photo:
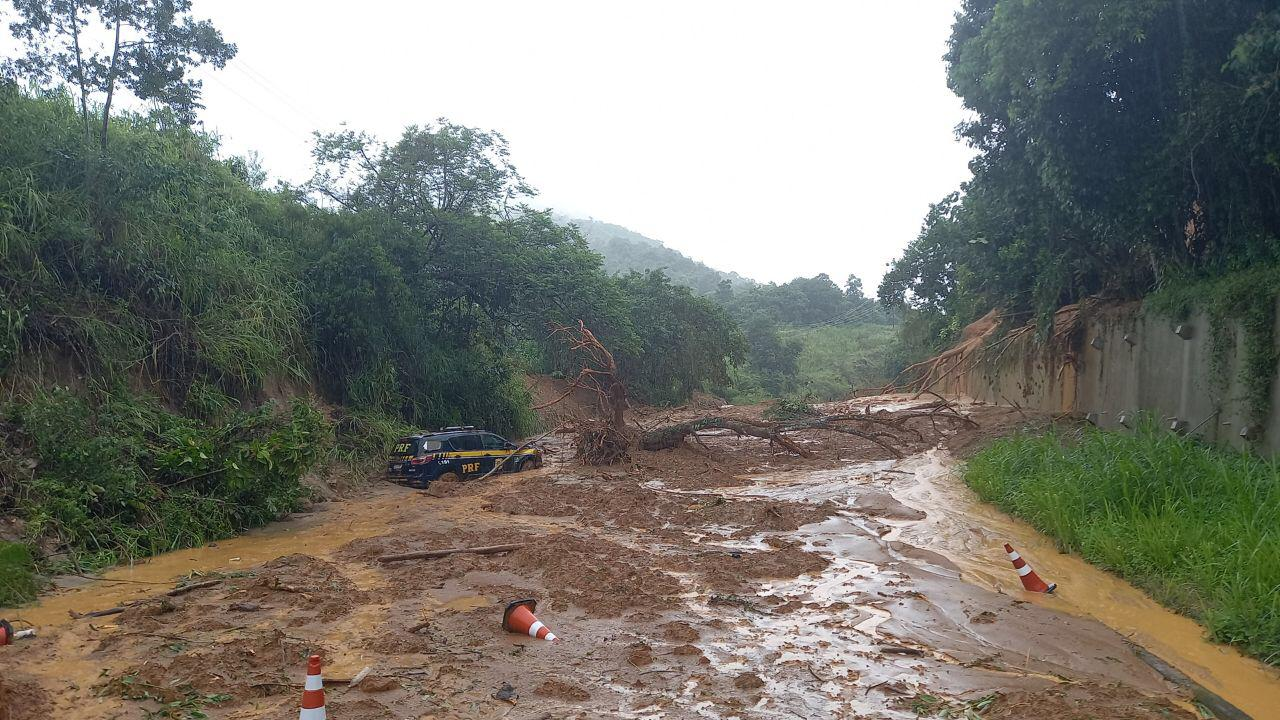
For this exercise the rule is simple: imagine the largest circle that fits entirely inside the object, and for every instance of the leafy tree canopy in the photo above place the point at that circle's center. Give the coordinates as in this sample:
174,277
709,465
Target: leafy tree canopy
1119,144
146,46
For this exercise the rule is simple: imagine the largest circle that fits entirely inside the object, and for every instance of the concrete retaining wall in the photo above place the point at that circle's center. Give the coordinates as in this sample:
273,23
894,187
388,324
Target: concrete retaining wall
1118,362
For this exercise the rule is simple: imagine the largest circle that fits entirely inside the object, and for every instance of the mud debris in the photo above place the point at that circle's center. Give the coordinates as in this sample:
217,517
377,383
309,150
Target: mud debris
682,584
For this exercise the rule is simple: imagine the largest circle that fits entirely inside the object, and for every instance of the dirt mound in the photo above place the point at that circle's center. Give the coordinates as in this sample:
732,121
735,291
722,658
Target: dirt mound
882,504
1068,703
601,578
259,664
21,697
314,589
578,404
562,690
735,571
631,505
922,375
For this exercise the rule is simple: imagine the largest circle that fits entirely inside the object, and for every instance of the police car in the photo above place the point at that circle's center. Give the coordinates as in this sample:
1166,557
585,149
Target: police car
455,453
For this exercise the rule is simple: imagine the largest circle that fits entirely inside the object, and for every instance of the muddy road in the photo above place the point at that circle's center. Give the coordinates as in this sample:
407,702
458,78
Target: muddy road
725,581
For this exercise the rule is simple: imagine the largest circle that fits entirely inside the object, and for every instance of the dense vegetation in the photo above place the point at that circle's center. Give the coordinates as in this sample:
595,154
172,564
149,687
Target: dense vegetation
1192,525
1121,146
810,338
154,299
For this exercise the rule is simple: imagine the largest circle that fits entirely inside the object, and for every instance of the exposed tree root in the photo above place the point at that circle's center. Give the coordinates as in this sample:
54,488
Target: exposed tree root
602,444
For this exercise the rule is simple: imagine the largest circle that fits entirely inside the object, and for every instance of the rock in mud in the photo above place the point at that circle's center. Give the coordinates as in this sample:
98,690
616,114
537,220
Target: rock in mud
748,681
641,655
506,693
378,684
562,690
681,632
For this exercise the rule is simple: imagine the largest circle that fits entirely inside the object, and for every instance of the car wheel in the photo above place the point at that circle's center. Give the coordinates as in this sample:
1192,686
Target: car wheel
449,477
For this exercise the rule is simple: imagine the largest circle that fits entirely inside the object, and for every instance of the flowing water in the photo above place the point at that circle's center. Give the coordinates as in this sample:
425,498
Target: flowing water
970,535
314,534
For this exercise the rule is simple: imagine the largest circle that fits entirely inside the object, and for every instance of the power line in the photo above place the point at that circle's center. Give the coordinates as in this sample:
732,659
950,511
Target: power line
263,111
853,315
262,81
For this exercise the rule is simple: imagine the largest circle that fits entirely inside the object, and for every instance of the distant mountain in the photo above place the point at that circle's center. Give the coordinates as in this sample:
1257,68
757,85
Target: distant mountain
625,250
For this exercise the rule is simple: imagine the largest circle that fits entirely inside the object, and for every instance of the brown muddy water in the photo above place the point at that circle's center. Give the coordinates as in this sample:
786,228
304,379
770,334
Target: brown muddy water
917,597
920,504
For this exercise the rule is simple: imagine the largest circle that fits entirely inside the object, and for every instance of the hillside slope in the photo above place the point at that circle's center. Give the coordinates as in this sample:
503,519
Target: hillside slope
625,250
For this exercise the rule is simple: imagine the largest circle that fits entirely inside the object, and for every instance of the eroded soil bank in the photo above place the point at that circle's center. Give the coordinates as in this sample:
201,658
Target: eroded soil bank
725,581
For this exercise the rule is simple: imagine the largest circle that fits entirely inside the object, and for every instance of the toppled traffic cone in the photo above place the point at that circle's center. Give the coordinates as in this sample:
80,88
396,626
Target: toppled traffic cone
8,634
1030,580
313,692
518,618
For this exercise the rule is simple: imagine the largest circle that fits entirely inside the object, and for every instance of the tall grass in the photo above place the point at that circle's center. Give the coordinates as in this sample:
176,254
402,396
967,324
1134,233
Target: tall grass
837,360
1197,527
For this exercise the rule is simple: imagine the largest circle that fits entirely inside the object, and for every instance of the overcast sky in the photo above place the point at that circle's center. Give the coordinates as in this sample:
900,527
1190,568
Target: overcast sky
775,139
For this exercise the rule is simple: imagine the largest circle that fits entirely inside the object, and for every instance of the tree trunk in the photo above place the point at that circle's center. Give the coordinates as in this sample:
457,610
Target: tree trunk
618,400
80,80
669,437
111,82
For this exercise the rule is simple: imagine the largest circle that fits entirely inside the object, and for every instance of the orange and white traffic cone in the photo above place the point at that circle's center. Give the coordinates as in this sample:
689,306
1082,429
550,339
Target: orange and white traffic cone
313,692
8,634
1030,580
518,618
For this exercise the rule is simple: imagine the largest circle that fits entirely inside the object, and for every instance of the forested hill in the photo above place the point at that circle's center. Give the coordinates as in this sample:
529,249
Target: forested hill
625,250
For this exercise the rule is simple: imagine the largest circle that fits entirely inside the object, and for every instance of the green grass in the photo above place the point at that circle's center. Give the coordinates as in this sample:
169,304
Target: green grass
838,360
17,582
1197,527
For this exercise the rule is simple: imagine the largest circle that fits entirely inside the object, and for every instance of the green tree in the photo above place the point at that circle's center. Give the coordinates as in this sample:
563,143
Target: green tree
146,46
683,341
774,359
1119,144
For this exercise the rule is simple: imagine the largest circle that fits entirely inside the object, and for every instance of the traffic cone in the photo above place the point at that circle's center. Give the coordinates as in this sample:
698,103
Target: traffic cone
8,634
1030,580
518,618
313,692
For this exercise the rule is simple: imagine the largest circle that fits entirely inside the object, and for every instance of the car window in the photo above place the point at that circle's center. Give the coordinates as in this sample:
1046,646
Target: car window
430,446
492,442
466,442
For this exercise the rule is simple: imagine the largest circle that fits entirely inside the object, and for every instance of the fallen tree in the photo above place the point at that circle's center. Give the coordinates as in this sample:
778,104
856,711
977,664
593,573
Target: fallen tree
888,430
668,437
608,440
